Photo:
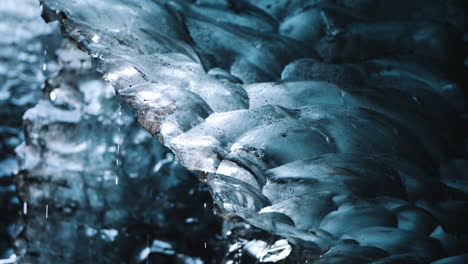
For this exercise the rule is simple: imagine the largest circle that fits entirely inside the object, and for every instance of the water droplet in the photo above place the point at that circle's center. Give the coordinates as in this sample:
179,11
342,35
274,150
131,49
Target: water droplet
52,95
25,208
116,180
47,211
44,67
204,205
204,244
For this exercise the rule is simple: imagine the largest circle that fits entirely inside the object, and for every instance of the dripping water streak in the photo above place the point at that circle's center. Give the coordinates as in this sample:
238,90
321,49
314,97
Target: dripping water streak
117,161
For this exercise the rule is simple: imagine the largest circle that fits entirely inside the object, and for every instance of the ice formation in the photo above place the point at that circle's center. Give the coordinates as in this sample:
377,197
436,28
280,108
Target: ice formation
328,131
88,195
325,123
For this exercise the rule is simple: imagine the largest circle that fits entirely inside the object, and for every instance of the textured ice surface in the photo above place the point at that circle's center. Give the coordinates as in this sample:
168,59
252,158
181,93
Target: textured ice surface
88,195
323,123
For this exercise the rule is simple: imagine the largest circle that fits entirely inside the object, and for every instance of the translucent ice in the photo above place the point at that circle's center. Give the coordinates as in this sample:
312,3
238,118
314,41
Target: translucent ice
323,123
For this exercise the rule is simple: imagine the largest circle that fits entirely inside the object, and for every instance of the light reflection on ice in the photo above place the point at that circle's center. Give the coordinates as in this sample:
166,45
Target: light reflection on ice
109,234
12,259
169,158
52,95
128,71
96,38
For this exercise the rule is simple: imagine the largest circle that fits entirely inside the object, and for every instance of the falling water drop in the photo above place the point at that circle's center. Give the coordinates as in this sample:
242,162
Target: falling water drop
204,244
47,211
204,205
25,208
117,160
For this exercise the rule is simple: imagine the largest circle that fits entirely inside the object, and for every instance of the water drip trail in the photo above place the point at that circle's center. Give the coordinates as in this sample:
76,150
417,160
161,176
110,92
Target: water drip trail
117,159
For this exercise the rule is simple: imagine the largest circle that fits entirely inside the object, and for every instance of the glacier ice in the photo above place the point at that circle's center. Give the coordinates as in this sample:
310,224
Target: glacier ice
82,180
327,131
320,122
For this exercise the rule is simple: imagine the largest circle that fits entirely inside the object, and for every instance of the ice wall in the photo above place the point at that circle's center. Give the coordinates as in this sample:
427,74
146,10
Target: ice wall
325,123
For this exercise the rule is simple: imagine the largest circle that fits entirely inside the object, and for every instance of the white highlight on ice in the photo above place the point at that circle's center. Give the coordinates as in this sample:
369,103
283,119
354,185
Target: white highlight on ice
109,234
144,254
52,95
11,259
128,71
96,38
149,95
169,158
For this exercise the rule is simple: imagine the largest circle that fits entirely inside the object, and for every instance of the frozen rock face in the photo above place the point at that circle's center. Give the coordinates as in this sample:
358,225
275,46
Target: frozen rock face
333,127
89,196
26,46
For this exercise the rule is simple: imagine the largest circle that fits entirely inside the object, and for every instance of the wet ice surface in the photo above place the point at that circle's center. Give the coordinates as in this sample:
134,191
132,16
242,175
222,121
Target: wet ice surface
318,124
26,44
83,180
340,155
